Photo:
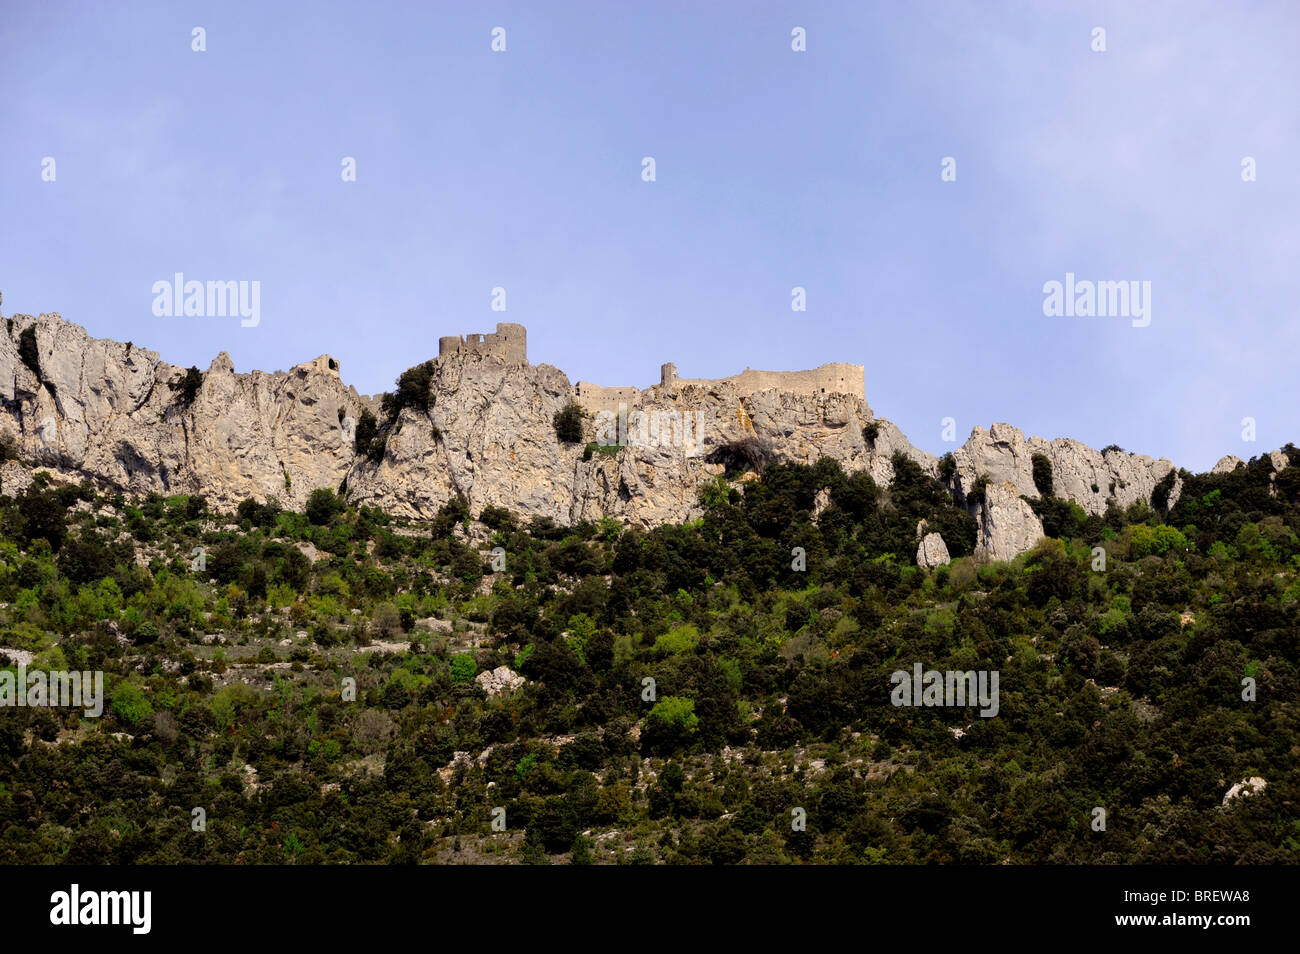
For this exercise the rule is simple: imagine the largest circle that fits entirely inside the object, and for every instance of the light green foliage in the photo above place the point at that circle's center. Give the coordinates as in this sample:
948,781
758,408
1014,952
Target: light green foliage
675,712
130,704
680,639
463,667
1155,541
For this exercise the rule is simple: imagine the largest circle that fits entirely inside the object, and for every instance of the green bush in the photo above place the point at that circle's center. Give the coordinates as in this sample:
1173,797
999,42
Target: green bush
1042,474
130,704
323,505
463,667
568,423
187,386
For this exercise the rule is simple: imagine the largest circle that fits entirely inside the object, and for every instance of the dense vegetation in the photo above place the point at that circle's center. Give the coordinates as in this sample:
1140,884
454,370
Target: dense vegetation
227,642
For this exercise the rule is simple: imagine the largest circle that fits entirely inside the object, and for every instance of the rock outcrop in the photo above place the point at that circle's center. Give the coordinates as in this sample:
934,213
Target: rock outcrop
1007,525
113,412
1080,474
501,679
488,437
1247,786
932,551
96,409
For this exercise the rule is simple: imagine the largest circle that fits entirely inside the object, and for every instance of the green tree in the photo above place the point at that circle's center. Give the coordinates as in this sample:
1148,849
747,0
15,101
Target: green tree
323,505
568,424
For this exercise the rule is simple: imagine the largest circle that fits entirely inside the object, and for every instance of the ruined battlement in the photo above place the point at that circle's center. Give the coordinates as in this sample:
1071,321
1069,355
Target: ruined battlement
593,398
834,378
509,343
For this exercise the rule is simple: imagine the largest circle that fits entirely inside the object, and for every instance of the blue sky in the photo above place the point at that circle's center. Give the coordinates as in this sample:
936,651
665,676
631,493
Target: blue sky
775,169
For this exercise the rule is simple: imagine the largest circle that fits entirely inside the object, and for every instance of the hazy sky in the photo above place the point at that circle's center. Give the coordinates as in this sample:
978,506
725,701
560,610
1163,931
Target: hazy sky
775,169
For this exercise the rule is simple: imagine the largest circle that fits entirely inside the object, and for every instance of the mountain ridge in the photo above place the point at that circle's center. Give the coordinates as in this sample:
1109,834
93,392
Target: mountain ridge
119,415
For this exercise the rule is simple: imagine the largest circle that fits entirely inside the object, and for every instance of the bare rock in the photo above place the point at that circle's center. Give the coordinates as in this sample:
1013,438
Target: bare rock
932,552
501,679
1247,786
1079,474
1007,525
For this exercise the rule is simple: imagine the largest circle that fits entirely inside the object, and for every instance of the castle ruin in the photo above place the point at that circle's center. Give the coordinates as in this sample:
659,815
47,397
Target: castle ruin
509,343
835,378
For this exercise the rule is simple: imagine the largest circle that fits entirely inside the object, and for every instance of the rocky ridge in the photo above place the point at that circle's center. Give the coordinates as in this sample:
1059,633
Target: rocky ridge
83,407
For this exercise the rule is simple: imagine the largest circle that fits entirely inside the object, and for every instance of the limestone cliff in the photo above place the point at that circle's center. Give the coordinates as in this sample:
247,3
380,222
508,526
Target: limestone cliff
118,415
84,406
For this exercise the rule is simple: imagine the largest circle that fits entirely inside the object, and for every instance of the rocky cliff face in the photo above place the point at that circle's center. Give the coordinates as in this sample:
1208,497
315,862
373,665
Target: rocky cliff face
88,407
94,408
488,436
1081,474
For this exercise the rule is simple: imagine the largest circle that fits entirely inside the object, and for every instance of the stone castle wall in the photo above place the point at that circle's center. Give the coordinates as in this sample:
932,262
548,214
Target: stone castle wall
834,378
593,398
509,343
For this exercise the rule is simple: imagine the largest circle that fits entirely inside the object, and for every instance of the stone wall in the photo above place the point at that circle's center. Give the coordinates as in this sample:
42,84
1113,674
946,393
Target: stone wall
593,398
835,378
509,343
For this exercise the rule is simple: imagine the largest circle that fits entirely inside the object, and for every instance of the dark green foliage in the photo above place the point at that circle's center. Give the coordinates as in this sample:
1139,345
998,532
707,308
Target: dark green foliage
44,517
947,467
413,391
871,431
367,440
1160,493
568,423
1110,694
187,386
28,352
1061,518
323,505
1042,474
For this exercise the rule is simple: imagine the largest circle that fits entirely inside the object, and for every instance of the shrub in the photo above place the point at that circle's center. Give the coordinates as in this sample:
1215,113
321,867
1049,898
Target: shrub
1042,474
671,722
947,467
187,386
413,386
681,639
463,667
323,505
1154,541
27,351
871,432
130,705
1160,493
568,424
365,440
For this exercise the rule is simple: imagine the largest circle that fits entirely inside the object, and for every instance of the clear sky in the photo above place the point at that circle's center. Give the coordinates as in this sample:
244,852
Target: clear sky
775,168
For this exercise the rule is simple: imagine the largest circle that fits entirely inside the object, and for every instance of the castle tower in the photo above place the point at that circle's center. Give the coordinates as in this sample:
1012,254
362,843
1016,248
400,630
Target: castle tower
509,343
667,375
